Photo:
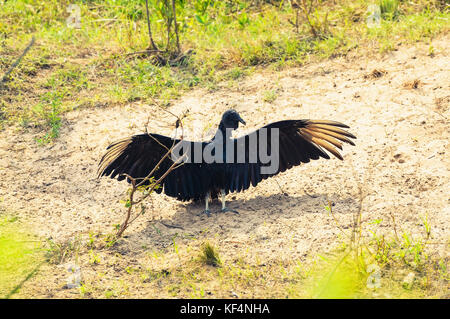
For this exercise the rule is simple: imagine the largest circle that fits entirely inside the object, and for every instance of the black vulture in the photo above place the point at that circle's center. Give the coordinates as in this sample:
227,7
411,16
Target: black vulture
224,164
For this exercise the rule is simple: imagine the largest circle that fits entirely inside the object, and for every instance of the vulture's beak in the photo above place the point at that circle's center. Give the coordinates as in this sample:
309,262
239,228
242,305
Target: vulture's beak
241,120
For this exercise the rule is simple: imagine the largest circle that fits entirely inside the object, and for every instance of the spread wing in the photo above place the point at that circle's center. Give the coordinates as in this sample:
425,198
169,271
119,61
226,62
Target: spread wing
138,155
295,142
263,153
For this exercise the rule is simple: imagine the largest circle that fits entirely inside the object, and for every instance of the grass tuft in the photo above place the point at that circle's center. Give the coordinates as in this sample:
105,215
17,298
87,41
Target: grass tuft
209,255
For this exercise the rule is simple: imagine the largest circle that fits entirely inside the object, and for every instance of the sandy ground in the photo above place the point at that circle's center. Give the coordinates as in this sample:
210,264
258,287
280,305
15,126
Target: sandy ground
401,160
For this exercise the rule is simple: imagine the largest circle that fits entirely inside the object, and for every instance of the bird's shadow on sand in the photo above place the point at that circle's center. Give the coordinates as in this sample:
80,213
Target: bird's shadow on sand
275,205
188,222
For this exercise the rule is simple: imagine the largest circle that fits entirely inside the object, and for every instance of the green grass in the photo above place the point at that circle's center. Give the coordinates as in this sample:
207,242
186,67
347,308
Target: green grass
380,266
92,66
270,96
20,256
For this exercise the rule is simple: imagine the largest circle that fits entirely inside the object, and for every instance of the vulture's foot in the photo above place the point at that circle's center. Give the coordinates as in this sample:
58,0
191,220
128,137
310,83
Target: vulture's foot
226,210
207,212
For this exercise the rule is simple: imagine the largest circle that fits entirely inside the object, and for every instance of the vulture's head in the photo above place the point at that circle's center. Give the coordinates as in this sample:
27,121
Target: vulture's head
231,119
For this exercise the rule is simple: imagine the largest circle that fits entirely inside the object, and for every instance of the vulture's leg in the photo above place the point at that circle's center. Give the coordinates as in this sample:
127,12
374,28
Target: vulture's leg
207,211
224,208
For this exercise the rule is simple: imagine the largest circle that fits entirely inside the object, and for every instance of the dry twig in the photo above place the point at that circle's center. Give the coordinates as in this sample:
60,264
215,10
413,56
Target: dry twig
135,185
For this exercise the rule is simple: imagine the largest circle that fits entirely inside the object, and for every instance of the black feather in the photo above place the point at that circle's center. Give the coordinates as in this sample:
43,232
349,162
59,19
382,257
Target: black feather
299,142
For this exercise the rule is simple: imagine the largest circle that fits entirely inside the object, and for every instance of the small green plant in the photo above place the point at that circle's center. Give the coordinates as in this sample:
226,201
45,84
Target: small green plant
93,257
91,242
270,96
201,14
235,73
130,270
243,19
54,121
166,11
209,255
427,226
175,246
316,20
49,111
111,239
58,252
85,290
389,9
412,252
